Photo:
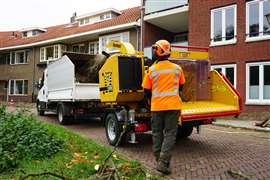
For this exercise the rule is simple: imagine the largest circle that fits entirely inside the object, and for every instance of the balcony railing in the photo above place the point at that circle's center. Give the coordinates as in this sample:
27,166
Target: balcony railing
152,6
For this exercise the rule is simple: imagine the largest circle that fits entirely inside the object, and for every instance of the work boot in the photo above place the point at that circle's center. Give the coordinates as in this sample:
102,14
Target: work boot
163,168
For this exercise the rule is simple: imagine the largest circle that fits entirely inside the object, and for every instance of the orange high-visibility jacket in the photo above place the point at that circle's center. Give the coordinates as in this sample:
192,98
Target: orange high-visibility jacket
164,79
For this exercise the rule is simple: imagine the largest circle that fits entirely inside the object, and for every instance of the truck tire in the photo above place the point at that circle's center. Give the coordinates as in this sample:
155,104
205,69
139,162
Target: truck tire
40,111
62,118
113,130
184,132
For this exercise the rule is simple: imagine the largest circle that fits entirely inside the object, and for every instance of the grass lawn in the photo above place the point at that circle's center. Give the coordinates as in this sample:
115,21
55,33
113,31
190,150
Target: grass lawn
77,160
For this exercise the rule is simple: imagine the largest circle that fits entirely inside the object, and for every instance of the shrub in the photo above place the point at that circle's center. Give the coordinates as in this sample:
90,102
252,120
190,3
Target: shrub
23,137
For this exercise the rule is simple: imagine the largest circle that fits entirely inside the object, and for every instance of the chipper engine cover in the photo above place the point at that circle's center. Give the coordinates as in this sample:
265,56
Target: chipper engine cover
121,76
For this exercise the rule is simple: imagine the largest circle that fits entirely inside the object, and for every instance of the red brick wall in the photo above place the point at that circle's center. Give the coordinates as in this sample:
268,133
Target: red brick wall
20,98
152,33
2,98
240,53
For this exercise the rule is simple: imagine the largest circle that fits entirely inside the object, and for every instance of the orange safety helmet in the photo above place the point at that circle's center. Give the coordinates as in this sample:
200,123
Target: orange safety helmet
162,48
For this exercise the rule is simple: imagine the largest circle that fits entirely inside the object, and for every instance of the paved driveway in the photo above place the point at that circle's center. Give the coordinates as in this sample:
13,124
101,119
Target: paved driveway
208,155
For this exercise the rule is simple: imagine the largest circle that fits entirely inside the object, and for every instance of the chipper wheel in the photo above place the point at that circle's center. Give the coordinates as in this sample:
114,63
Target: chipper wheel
114,130
184,132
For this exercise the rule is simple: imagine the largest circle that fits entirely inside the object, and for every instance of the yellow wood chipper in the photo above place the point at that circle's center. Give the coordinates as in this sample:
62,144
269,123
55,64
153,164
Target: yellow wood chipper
116,94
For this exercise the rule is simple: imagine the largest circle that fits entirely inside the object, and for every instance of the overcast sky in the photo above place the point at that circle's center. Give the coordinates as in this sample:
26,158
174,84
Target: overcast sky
18,14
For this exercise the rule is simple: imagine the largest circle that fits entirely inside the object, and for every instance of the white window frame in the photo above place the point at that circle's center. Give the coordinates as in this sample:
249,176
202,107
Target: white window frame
91,20
96,47
81,22
9,87
223,70
15,60
223,21
261,36
122,34
259,101
59,48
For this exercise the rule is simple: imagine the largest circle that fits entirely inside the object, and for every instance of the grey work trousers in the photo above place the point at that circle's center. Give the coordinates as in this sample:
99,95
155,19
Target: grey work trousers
164,129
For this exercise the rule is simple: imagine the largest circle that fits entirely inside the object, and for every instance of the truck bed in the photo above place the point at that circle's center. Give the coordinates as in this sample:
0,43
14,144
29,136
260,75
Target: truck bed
86,91
65,83
207,109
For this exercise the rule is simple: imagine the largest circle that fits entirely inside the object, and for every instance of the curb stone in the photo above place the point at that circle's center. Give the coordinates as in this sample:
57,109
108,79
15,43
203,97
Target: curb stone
217,123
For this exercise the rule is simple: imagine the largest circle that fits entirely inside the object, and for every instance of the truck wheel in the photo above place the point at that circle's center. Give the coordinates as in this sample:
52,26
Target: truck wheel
113,130
40,111
62,118
184,132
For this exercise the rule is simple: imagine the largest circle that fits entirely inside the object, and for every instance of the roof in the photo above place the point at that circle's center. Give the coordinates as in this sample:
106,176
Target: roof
10,39
32,28
98,12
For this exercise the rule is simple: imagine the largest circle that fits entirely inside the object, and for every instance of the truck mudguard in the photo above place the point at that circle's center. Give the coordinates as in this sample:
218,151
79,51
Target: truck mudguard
120,113
67,108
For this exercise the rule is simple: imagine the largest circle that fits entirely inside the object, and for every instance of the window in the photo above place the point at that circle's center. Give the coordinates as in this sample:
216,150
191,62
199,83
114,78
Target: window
148,52
93,47
228,70
79,48
103,40
31,33
223,25
86,21
50,53
25,34
35,32
257,26
19,57
258,83
5,58
18,87
102,17
105,16
94,19
82,22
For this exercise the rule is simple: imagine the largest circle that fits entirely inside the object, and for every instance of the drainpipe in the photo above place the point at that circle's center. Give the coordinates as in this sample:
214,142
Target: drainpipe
142,24
8,87
34,73
138,38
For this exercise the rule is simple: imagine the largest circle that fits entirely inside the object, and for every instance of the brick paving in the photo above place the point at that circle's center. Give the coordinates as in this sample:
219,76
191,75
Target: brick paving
208,155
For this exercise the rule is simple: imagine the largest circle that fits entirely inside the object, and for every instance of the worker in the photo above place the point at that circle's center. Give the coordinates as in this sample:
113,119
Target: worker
161,86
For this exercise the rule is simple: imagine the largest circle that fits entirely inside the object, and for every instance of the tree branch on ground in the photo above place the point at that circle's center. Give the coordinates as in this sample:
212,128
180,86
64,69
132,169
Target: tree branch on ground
238,174
44,174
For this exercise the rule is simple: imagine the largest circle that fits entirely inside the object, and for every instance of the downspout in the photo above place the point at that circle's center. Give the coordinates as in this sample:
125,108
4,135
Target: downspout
8,88
8,79
138,38
34,74
142,25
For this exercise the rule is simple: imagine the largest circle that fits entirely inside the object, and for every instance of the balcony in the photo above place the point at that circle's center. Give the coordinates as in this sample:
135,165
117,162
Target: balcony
153,6
169,15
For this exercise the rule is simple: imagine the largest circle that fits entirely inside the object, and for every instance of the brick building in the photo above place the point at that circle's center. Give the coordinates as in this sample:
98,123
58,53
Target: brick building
24,54
237,32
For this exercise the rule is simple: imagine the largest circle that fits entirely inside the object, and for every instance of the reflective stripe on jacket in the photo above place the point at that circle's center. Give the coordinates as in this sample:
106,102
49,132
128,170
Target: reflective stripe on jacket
164,79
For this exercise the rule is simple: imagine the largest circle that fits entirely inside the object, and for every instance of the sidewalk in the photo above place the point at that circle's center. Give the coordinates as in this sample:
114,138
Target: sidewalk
245,124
